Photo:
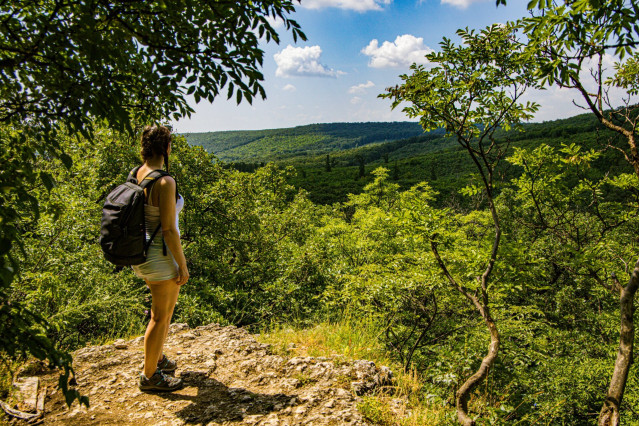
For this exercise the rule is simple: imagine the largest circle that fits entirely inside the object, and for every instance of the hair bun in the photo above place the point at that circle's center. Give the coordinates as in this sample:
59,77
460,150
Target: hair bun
155,142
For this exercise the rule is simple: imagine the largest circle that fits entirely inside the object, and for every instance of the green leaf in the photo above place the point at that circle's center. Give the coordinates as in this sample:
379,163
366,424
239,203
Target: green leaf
47,180
66,160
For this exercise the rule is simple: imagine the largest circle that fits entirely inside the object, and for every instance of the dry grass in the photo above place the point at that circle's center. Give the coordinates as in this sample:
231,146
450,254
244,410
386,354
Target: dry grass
401,404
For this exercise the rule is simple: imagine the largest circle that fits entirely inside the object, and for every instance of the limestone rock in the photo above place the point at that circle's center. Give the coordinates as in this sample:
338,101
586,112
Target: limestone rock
229,377
27,388
120,344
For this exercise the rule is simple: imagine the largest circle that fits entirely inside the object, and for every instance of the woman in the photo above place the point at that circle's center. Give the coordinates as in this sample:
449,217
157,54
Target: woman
163,273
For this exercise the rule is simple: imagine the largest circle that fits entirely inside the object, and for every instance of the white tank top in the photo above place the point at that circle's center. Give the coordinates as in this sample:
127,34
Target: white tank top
152,219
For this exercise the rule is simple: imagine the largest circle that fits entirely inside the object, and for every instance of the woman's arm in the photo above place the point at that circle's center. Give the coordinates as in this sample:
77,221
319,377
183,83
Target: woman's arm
167,187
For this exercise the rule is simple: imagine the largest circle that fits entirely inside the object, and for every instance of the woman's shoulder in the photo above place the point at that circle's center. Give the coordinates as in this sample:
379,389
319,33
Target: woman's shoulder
166,183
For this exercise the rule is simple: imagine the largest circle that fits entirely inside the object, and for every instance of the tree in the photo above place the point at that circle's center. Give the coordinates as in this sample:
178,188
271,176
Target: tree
471,91
362,163
65,65
570,43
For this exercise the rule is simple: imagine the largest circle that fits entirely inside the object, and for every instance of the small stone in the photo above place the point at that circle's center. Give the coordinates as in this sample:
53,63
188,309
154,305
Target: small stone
271,420
290,384
120,344
253,419
300,411
330,404
342,393
174,328
148,415
28,390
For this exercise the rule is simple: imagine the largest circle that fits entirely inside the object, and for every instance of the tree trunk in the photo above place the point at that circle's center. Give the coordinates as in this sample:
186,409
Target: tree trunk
609,415
463,393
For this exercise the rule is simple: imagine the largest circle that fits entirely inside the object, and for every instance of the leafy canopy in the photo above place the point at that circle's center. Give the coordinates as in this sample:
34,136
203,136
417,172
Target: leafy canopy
568,34
70,60
471,89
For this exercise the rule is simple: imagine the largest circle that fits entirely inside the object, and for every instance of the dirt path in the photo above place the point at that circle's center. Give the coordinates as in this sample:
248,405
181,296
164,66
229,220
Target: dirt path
230,379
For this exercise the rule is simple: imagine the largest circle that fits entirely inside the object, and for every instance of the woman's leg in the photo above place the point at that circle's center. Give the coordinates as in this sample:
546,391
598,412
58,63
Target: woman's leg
166,333
163,298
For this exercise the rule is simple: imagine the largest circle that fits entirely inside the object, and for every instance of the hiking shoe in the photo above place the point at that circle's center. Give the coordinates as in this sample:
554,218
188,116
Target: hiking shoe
159,382
167,365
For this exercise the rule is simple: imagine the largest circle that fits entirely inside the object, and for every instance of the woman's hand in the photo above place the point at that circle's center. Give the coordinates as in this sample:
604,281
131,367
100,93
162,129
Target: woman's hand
183,275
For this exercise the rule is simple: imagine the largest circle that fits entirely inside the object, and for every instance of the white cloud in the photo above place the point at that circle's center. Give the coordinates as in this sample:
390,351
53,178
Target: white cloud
461,4
302,61
275,22
356,100
289,88
358,5
406,50
361,88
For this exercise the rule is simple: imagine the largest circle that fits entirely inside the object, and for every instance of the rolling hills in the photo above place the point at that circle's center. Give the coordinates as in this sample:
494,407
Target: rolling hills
276,144
333,160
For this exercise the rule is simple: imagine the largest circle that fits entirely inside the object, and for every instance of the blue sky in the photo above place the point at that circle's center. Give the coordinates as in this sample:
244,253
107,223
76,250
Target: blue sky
355,49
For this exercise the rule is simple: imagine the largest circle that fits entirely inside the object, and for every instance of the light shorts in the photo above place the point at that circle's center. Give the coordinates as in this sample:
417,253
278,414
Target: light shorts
157,266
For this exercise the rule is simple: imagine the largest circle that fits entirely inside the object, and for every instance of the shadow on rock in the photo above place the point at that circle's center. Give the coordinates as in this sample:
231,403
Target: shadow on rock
218,403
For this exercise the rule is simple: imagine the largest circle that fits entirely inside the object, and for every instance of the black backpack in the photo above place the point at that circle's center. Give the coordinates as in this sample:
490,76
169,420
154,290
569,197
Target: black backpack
123,232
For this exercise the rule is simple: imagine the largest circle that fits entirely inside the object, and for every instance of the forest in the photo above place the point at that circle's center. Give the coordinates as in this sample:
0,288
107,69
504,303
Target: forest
276,144
492,263
433,157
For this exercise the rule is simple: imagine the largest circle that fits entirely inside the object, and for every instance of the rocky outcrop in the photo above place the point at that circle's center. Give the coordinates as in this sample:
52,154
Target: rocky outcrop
229,378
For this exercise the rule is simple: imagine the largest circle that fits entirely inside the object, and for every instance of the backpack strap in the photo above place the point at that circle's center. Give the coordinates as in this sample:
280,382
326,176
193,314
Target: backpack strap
148,243
147,182
150,178
133,175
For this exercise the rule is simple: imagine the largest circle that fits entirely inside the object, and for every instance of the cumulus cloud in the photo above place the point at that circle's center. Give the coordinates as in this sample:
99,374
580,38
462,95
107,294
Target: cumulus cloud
358,5
404,51
302,61
361,88
461,4
275,22
289,88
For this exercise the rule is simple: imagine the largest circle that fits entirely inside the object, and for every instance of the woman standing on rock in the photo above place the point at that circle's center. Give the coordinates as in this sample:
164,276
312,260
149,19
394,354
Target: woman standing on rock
165,268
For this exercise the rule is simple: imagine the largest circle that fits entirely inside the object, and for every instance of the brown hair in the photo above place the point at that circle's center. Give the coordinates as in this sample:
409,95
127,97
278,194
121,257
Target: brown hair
155,141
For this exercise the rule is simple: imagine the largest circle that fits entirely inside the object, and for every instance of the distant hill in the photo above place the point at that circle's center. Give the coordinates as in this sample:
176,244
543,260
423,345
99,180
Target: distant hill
441,161
313,139
329,158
